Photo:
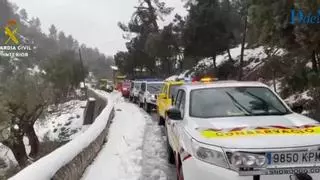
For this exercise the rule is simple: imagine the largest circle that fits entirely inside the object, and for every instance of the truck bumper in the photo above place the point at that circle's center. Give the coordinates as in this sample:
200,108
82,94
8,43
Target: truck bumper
196,169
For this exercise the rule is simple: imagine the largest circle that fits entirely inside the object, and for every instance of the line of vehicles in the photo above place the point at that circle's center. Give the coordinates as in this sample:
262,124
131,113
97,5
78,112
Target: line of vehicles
230,130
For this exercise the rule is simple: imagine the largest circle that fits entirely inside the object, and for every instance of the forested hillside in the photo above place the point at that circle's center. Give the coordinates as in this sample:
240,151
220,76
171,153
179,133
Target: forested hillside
211,28
49,47
31,86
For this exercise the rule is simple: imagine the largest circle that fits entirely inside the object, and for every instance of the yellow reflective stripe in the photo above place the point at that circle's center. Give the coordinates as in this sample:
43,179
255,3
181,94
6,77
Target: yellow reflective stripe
261,132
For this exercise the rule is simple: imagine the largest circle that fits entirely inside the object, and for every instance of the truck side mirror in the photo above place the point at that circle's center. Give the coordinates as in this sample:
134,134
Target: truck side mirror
174,113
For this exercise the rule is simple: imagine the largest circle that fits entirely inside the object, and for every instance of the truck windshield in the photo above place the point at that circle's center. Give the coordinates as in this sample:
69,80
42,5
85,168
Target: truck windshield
126,84
154,88
235,101
137,85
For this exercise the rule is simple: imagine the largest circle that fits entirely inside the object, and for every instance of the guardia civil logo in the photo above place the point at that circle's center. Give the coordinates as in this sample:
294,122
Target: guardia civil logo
13,45
10,30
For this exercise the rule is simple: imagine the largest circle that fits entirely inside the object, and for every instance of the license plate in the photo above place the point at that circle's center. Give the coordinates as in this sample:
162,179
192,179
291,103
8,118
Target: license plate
293,171
286,158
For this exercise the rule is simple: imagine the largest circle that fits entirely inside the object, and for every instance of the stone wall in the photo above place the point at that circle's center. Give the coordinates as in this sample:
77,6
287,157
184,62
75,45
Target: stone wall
74,169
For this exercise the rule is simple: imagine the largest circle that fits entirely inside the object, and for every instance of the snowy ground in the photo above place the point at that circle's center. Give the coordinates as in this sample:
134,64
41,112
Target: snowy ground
154,164
256,53
135,149
62,125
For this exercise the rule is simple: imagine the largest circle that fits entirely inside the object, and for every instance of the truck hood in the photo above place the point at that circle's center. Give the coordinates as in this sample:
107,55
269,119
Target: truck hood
256,132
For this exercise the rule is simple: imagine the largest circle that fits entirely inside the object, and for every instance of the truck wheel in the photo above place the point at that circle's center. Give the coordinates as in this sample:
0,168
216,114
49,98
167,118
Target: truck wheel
147,107
161,121
171,158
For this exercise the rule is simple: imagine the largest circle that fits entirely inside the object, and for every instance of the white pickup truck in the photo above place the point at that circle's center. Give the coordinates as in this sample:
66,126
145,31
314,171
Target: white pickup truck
148,94
134,91
232,130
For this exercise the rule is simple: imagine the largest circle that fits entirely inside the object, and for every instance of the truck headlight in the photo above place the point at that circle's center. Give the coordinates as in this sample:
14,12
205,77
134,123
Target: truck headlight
239,159
215,157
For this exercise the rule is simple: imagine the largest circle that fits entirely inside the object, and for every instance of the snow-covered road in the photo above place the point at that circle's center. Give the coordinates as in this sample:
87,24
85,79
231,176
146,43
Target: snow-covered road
154,162
135,149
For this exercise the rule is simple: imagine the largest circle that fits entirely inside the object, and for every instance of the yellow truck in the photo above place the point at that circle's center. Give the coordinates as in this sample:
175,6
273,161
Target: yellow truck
106,85
165,98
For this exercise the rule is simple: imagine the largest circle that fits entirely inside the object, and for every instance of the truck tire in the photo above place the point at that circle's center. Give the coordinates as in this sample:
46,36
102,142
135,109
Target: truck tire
161,121
171,157
147,107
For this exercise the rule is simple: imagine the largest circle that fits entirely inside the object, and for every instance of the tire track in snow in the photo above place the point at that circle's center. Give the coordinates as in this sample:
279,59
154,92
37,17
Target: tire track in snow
154,153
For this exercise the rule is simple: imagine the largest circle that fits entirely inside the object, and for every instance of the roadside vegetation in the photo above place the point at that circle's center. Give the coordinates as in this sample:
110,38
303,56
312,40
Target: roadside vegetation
212,29
202,42
34,87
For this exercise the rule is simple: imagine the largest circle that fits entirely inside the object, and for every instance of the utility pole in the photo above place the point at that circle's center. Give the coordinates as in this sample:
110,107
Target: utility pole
83,76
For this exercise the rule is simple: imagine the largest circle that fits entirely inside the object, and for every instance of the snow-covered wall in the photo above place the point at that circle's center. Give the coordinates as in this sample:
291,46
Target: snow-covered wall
62,163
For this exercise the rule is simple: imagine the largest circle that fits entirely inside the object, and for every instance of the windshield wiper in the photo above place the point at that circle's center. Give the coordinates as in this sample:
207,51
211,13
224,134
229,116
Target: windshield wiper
238,105
266,103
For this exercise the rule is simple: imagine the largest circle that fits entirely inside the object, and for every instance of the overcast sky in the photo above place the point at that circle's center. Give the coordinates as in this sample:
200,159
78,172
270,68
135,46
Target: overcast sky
92,22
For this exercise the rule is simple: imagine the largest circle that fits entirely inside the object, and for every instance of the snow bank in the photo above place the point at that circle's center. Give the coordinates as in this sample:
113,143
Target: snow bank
255,53
179,76
183,75
46,167
298,97
172,78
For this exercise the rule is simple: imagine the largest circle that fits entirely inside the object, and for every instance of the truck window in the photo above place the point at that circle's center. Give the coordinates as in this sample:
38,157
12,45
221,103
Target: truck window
143,87
173,91
164,89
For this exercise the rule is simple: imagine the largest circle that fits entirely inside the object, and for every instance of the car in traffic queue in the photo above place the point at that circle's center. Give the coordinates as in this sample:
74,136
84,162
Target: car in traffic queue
148,94
229,130
165,98
119,86
106,85
134,91
125,89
